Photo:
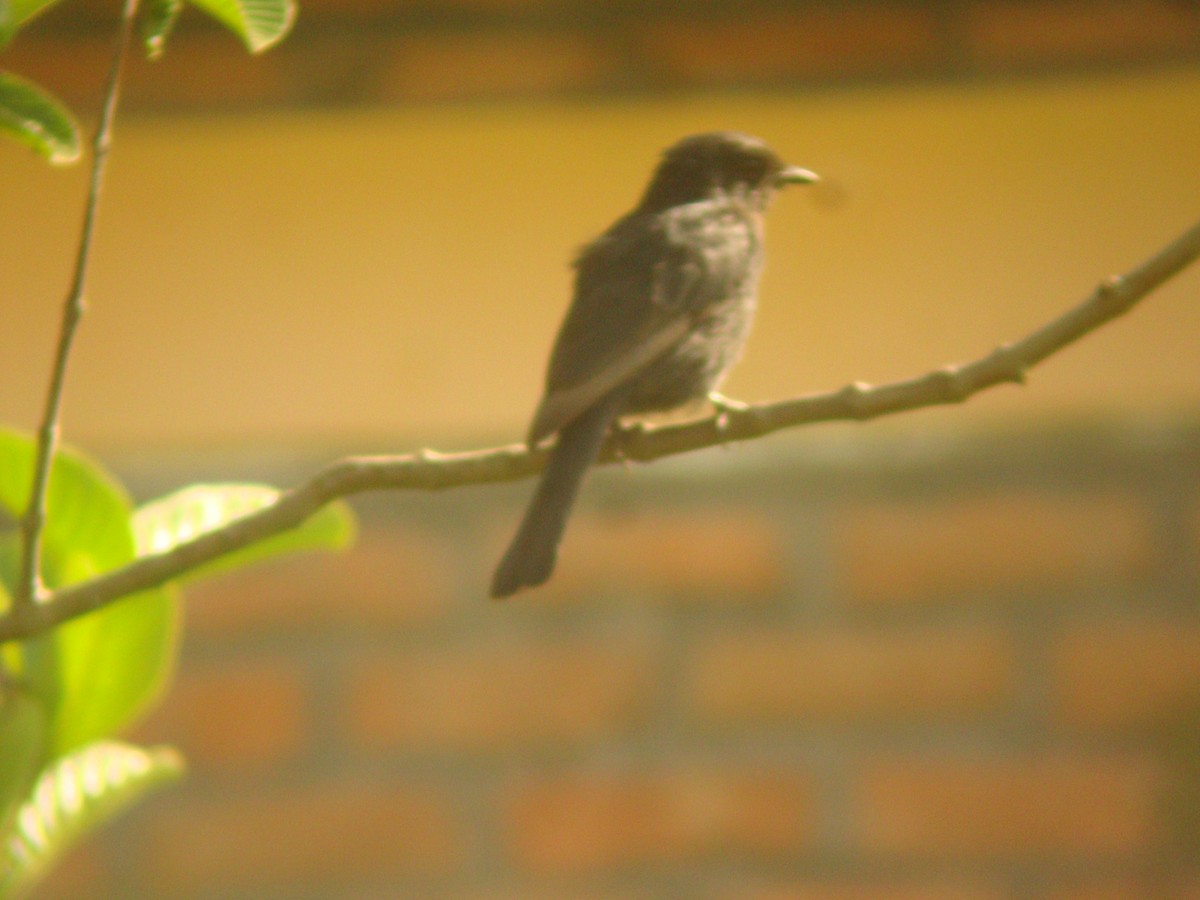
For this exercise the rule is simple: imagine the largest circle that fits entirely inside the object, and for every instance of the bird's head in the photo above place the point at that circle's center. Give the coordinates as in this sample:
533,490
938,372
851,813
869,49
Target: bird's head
720,163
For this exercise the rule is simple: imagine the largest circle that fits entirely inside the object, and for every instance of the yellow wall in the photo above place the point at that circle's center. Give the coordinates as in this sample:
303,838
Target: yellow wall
358,275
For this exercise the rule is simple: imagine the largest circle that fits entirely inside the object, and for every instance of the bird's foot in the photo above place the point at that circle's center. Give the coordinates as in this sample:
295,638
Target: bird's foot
724,406
622,435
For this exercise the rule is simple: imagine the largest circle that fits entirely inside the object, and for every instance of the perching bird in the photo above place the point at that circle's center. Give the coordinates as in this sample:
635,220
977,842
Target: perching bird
662,307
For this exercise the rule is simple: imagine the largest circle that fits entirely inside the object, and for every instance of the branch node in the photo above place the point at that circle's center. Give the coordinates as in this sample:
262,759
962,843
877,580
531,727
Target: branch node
1111,285
854,396
1112,292
1009,361
950,381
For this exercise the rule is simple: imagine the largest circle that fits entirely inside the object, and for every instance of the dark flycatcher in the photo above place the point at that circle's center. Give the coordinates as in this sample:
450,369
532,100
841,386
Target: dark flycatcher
663,303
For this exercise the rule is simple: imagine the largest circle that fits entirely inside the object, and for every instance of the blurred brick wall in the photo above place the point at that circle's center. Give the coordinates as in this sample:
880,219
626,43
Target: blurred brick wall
354,52
885,668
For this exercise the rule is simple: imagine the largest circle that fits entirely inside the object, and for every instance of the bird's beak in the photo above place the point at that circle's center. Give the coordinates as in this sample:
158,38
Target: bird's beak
796,175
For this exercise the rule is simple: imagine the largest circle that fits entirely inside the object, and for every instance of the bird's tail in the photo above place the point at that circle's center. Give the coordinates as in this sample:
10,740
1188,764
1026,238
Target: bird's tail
530,557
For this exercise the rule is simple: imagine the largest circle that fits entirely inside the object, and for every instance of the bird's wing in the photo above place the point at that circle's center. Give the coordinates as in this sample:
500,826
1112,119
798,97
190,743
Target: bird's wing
563,405
638,288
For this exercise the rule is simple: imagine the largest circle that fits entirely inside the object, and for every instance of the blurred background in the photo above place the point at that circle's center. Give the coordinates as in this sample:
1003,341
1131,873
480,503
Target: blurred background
952,654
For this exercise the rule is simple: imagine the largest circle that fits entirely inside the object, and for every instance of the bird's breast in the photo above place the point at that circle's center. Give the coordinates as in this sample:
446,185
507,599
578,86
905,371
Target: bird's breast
695,366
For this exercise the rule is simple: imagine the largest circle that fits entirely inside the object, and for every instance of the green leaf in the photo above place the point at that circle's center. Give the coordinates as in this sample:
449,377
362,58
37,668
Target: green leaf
87,512
15,13
72,797
169,521
113,665
259,23
97,673
158,21
22,744
35,117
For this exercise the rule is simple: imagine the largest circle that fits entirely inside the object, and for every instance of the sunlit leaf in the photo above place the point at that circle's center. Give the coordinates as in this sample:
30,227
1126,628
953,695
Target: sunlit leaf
34,117
15,13
72,797
97,673
158,21
171,520
259,23
87,512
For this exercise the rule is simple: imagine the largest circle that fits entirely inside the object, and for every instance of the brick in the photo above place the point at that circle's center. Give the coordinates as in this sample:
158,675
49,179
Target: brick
593,822
73,70
209,64
998,809
1006,33
840,676
906,552
235,715
1128,674
391,578
494,696
479,64
1194,533
765,46
1123,889
84,872
553,891
470,13
863,890
732,555
294,839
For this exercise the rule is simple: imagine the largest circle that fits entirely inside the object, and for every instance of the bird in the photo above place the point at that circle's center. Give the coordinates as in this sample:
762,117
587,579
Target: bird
662,305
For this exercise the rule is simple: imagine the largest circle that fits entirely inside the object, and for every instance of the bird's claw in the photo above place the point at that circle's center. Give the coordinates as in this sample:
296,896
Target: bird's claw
724,406
622,434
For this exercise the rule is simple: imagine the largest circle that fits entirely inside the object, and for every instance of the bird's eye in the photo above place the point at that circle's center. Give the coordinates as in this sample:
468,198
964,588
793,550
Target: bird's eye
750,170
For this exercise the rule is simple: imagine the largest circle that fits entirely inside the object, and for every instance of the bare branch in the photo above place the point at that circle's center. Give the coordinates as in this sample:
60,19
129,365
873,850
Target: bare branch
950,384
29,587
427,470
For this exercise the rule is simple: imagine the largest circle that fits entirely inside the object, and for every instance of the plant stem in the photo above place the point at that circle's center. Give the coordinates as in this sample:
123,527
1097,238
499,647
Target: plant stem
29,587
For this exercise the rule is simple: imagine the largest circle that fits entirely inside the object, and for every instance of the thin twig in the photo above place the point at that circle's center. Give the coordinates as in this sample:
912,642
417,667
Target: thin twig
427,470
29,587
